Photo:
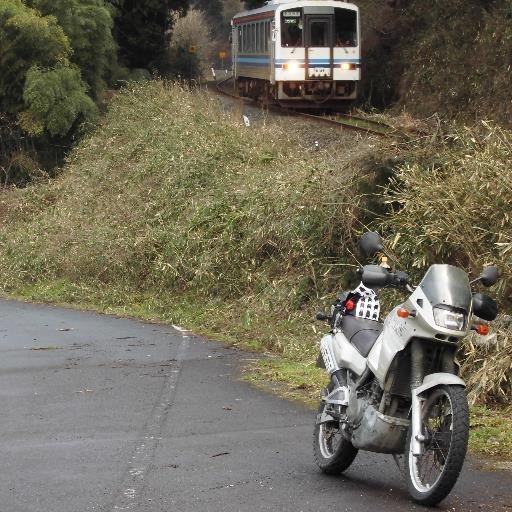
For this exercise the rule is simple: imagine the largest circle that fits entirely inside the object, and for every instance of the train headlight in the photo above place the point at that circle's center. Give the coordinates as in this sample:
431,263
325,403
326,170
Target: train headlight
291,66
347,66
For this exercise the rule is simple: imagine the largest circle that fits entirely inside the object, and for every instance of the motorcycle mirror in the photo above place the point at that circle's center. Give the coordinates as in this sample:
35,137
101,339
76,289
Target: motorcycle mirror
370,244
489,276
485,307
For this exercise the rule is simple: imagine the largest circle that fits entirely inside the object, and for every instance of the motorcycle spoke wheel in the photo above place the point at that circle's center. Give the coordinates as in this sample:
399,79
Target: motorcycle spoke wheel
333,452
445,425
438,427
329,440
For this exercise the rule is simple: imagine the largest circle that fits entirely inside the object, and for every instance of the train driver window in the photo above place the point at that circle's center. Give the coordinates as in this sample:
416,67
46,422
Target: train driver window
291,28
345,27
319,34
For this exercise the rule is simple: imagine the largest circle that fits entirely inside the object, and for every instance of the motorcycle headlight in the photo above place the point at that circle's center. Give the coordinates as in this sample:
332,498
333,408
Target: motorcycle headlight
449,318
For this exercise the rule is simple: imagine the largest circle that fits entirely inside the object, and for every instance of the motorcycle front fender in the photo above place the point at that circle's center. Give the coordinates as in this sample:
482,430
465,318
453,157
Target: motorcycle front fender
429,382
438,379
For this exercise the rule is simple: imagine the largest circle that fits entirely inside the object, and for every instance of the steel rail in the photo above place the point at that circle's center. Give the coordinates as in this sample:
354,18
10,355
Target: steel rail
344,121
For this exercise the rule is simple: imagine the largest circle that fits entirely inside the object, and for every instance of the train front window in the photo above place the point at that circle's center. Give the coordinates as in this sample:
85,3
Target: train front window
319,34
292,32
345,27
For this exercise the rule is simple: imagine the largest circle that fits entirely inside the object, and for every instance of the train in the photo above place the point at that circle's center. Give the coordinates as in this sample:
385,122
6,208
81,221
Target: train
304,53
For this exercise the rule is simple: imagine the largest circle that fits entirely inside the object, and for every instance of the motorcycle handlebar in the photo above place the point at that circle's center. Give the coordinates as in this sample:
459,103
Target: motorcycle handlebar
377,277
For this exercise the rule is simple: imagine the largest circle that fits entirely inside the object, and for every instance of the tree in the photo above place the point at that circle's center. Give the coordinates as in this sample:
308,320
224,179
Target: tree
55,98
143,29
230,8
43,97
212,8
88,25
37,80
254,4
192,45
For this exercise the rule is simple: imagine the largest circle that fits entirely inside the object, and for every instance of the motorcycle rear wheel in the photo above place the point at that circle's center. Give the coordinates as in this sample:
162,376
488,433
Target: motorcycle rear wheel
445,423
333,453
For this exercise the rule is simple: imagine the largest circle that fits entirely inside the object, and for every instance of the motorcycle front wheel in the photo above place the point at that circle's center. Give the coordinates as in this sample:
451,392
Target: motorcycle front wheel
445,425
333,453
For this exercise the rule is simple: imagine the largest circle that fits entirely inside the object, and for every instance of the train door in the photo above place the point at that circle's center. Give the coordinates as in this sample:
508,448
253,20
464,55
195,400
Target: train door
319,43
236,32
272,36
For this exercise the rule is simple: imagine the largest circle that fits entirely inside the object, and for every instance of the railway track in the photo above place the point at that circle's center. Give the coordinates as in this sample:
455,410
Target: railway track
343,121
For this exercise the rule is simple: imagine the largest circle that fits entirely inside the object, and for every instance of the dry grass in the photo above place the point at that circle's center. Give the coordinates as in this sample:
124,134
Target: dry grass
488,365
457,209
174,198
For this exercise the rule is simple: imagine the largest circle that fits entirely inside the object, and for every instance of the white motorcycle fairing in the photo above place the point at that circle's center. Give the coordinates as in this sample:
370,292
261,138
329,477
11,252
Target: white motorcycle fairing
398,332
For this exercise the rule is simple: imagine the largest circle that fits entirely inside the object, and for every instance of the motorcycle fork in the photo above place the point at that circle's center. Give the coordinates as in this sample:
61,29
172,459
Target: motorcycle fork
417,375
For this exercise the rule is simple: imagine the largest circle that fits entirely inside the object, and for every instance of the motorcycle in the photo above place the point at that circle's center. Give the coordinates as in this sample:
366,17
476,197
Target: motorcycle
394,384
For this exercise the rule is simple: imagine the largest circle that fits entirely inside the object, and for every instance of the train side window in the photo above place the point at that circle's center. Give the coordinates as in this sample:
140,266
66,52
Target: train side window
240,47
267,35
292,28
257,38
345,27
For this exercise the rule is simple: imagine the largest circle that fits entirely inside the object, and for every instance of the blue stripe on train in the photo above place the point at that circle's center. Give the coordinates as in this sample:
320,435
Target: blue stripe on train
316,62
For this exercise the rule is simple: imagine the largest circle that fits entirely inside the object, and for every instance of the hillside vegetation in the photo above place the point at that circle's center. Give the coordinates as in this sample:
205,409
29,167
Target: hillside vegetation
173,209
450,58
174,205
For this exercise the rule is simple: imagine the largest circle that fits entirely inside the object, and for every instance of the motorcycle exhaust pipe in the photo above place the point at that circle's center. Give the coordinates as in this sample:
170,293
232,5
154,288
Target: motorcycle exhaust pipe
328,355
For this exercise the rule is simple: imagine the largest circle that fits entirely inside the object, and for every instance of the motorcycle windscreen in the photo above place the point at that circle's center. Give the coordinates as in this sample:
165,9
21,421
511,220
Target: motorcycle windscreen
449,285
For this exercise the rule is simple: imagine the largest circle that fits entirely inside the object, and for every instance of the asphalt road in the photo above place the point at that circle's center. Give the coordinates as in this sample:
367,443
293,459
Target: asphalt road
105,414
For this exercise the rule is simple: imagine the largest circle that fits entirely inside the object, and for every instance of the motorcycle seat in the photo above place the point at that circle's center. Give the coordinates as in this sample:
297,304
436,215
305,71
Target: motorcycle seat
362,333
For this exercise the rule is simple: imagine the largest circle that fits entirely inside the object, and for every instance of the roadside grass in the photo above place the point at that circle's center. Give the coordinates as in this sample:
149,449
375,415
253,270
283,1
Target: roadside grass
490,432
174,211
289,379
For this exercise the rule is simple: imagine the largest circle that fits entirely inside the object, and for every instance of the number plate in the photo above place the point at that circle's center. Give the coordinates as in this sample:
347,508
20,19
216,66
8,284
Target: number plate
319,72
